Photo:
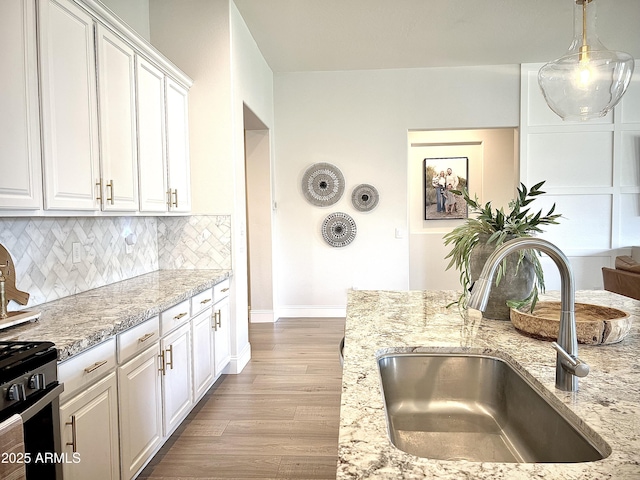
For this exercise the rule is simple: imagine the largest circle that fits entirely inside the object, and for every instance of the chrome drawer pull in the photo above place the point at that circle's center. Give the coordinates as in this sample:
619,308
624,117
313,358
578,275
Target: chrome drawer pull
146,337
95,366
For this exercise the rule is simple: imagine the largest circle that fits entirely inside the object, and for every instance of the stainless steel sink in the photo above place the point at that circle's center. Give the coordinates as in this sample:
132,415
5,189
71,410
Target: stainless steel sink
478,408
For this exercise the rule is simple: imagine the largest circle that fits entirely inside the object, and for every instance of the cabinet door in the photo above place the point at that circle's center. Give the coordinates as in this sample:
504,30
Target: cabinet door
89,426
176,380
118,142
202,353
222,335
20,173
69,106
140,402
179,178
151,137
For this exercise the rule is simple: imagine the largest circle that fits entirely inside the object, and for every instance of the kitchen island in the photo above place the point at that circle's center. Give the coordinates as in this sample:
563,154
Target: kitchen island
381,322
79,322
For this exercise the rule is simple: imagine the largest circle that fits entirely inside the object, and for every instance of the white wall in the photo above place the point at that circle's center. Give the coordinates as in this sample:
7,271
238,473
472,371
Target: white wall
134,13
209,40
592,173
359,121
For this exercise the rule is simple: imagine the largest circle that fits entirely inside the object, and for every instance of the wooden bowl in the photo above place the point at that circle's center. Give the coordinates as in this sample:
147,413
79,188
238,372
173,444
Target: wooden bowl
595,324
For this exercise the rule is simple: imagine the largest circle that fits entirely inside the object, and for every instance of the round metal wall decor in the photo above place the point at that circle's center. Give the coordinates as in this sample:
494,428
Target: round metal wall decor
365,197
323,184
338,229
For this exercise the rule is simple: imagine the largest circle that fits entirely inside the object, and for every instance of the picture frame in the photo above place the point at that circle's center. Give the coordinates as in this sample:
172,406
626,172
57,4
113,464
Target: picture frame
441,175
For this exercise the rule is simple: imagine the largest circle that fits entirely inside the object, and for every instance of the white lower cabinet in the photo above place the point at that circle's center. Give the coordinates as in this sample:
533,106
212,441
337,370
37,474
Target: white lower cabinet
203,369
222,335
89,426
124,397
140,401
176,377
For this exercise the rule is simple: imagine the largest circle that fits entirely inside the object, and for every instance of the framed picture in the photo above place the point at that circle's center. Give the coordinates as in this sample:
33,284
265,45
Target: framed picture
441,176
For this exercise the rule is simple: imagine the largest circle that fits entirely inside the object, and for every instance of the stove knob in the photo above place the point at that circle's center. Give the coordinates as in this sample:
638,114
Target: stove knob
36,382
16,392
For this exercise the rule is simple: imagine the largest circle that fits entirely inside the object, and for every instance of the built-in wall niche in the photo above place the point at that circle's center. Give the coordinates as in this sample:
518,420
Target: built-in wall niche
493,176
592,173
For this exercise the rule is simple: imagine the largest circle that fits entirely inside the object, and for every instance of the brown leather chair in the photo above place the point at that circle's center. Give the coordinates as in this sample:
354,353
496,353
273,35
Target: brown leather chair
624,279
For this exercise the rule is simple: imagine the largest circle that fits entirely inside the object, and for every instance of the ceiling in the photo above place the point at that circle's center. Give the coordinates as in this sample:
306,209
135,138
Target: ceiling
313,35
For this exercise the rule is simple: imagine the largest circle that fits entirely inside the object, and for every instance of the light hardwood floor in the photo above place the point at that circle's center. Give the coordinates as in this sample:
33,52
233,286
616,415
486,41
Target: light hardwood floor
278,419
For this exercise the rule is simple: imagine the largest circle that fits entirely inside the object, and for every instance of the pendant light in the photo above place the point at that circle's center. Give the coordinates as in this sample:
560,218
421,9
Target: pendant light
589,80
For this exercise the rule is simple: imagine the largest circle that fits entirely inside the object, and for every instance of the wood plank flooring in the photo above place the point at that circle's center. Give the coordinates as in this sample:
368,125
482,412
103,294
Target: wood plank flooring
278,419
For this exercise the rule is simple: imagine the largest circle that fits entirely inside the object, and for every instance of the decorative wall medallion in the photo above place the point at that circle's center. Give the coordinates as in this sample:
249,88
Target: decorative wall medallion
365,197
338,229
323,184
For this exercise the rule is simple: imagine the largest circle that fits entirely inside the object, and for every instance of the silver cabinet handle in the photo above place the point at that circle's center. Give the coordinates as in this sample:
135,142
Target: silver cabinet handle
110,186
74,437
170,362
162,363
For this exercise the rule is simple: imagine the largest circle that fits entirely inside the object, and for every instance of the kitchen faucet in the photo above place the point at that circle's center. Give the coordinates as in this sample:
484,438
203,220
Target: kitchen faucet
568,366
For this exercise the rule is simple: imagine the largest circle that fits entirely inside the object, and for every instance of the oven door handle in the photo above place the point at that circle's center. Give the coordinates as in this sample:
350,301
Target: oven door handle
41,403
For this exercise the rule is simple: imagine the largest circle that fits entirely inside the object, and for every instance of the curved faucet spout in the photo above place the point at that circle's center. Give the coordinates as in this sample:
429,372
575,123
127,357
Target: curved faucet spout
568,365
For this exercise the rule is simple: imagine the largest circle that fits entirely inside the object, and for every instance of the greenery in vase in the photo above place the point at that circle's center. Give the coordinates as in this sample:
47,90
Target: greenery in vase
500,226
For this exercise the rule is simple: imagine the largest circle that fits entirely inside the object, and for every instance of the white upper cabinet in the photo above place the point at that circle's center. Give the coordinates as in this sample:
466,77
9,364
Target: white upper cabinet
151,137
177,117
117,107
20,175
69,106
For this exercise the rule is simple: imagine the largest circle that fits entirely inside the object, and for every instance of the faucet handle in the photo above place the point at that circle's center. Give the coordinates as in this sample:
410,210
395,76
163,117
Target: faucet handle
572,364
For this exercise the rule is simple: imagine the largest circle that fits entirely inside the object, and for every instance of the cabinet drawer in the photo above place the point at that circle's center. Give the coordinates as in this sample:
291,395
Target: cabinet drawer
174,316
221,290
138,338
200,301
81,370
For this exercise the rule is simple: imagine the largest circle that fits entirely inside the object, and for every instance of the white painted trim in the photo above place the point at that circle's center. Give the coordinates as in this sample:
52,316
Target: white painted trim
262,316
312,311
237,363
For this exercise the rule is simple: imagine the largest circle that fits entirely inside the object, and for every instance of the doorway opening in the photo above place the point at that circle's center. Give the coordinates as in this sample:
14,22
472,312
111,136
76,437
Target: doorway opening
258,188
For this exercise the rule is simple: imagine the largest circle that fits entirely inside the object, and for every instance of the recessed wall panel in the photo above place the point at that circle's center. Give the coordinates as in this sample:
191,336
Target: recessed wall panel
630,159
575,159
630,103
629,219
585,222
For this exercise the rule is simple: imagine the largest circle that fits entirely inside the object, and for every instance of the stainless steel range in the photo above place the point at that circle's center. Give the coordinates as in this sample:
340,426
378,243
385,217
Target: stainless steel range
29,387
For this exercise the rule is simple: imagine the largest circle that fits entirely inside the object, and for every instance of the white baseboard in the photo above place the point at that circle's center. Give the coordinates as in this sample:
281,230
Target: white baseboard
312,311
238,362
262,316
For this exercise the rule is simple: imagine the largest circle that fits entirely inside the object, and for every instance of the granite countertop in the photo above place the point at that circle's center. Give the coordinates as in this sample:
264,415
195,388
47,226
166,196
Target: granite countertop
78,322
380,322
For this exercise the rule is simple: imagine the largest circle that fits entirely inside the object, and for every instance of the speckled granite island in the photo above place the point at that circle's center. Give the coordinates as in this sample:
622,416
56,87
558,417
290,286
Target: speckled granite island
78,322
380,322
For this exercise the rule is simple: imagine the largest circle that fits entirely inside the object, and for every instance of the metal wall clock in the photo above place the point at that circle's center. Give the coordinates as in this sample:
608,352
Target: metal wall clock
365,197
338,229
323,184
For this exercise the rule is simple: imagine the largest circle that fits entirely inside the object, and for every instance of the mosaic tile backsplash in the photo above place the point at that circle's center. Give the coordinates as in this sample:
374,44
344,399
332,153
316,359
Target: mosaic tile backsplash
42,250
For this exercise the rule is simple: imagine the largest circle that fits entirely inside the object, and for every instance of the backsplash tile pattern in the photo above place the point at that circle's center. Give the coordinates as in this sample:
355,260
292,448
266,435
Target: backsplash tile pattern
195,242
42,250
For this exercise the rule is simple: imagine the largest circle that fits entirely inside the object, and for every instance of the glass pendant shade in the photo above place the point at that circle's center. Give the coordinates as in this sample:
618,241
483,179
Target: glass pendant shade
589,80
